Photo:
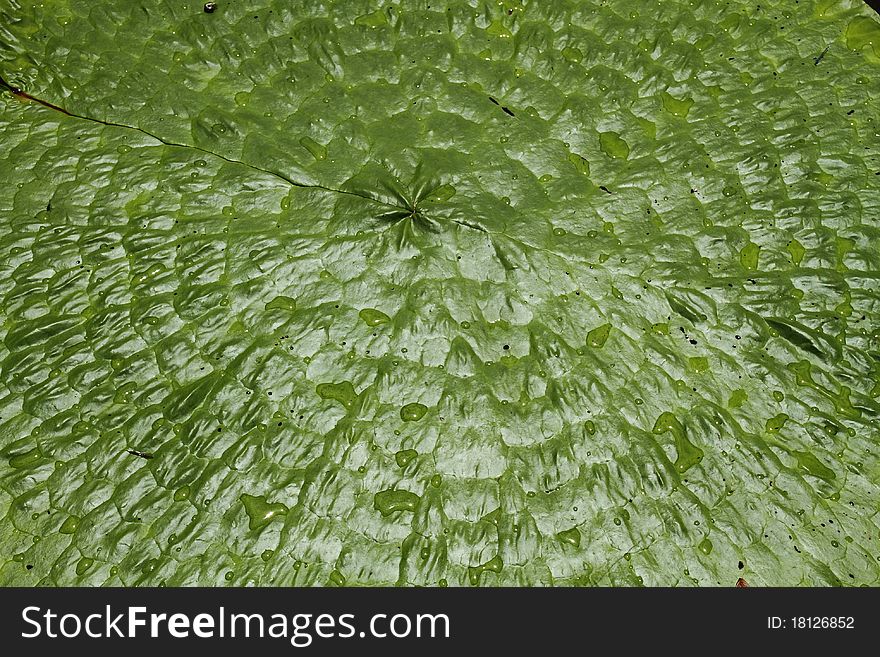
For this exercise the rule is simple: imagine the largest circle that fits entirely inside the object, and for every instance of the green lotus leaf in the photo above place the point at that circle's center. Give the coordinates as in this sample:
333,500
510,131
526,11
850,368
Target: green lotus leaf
460,292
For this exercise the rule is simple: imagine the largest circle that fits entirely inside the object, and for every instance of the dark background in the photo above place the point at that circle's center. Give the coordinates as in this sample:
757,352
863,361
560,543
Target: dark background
517,622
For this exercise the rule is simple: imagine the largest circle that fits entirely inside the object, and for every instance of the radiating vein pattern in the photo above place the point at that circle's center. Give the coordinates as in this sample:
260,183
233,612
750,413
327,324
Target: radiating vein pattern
439,293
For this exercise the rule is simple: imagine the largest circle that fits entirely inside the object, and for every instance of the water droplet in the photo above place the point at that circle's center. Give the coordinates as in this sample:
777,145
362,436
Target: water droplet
83,565
337,578
70,525
797,251
182,494
267,554
698,364
613,145
580,164
748,257
813,466
282,303
342,392
495,565
441,194
775,423
229,575
571,536
373,317
259,511
373,19
660,328
316,150
405,456
687,454
572,54
413,412
864,31
497,29
25,459
390,501
596,338
737,398
675,106
590,426
705,546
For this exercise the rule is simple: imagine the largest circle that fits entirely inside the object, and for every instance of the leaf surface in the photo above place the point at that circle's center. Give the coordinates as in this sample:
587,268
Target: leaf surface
465,293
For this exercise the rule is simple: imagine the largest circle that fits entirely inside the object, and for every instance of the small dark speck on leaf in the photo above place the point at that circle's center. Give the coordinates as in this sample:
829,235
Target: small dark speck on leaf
605,189
210,7
507,111
143,455
741,565
493,100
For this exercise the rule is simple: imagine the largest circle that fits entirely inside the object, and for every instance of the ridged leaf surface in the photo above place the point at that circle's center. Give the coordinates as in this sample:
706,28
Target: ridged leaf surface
439,293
